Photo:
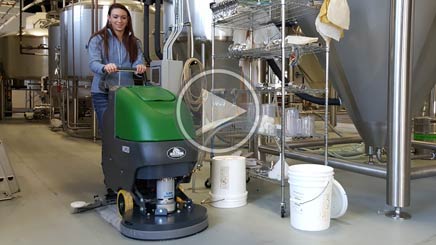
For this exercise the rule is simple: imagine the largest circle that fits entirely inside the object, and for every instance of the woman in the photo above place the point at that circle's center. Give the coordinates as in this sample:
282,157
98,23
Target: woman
112,47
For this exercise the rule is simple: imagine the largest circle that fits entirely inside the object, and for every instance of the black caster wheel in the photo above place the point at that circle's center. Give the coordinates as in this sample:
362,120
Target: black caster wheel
207,184
282,213
124,202
247,180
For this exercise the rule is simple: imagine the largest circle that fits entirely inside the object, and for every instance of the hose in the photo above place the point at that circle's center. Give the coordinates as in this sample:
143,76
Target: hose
193,101
146,33
303,96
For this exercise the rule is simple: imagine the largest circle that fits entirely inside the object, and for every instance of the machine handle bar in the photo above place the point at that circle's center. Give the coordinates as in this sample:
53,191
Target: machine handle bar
126,69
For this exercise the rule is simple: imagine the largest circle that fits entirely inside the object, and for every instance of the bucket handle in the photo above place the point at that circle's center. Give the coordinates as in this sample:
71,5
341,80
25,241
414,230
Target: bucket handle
310,200
208,201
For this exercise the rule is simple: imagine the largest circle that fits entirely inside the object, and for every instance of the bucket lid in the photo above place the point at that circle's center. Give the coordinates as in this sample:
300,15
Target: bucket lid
339,200
229,157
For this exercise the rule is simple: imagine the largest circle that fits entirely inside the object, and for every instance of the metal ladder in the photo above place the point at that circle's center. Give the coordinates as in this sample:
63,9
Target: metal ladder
8,182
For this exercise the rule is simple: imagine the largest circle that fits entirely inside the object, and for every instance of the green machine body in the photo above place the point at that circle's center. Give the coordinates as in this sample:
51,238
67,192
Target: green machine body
148,114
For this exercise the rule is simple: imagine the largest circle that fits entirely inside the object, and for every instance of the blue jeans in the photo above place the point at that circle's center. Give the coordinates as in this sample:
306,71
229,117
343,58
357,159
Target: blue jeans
100,102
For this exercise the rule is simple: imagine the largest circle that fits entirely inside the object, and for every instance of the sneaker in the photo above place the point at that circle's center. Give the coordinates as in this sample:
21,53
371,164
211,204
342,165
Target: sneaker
111,196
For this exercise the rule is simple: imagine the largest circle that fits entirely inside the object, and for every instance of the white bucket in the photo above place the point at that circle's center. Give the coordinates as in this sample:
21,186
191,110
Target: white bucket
310,188
228,182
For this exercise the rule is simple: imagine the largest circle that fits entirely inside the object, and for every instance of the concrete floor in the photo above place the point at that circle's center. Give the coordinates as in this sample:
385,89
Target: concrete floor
54,169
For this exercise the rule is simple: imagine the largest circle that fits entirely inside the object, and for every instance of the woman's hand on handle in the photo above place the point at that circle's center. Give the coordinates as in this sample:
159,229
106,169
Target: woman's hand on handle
140,69
110,68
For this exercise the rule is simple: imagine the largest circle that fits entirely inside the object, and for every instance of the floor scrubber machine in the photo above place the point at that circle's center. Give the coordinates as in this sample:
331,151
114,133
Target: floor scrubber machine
145,159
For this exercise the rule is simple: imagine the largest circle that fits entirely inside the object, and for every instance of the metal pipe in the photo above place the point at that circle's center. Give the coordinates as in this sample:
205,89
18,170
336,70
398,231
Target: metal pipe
92,17
146,33
283,117
203,52
423,172
361,168
333,109
157,47
398,182
75,101
422,156
366,169
320,143
326,104
2,98
424,145
191,29
96,16
432,103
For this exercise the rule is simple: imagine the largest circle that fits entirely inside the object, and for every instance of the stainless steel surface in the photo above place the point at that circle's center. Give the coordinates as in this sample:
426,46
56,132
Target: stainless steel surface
54,39
75,28
22,66
360,63
398,182
201,17
180,52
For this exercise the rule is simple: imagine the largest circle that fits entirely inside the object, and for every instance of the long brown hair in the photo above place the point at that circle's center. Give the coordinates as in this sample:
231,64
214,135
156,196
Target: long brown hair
129,39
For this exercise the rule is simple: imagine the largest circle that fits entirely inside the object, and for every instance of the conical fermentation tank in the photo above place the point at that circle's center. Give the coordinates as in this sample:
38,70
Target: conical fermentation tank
76,23
359,63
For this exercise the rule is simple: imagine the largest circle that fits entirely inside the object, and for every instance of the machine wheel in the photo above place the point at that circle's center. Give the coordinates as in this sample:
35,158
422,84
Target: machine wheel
207,183
124,202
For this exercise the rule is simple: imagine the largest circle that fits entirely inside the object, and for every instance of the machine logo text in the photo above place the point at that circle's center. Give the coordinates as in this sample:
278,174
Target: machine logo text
176,152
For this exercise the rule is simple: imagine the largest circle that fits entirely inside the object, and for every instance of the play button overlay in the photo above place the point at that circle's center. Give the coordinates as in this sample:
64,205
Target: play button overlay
217,111
226,111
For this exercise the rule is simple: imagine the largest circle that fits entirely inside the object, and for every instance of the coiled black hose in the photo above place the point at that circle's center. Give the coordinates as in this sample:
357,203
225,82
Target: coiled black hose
316,100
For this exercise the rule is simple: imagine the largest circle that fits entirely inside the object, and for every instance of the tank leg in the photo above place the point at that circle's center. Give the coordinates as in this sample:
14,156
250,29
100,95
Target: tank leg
283,209
398,214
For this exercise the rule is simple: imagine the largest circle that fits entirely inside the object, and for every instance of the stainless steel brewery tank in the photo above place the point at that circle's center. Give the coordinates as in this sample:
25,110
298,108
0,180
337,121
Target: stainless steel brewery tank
359,63
201,17
22,66
76,29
